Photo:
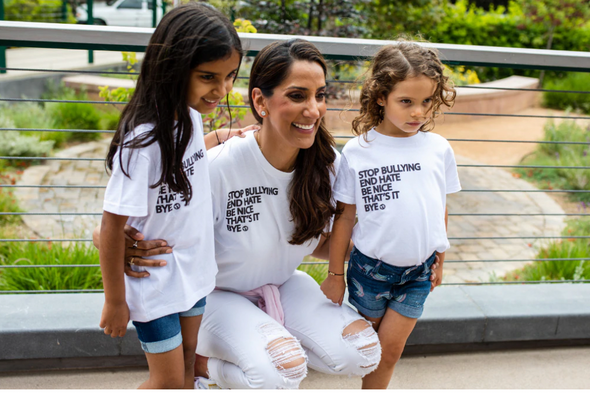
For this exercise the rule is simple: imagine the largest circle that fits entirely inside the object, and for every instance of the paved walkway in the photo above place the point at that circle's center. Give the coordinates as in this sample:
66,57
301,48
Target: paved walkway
563,368
89,200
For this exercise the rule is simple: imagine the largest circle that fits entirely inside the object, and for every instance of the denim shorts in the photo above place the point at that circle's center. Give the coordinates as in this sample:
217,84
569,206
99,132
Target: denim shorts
163,334
374,285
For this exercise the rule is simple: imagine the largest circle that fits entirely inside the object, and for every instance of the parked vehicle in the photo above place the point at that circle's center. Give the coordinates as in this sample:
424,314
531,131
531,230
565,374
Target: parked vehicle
133,13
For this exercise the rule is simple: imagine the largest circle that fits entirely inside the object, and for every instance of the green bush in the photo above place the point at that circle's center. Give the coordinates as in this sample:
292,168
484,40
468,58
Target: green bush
82,116
14,144
8,203
567,248
50,278
575,81
38,11
561,155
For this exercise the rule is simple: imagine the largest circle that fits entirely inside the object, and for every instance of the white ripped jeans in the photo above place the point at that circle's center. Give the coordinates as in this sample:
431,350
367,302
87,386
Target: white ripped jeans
247,349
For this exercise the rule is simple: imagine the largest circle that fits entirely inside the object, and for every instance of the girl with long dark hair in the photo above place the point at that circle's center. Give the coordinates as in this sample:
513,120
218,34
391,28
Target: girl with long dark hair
160,185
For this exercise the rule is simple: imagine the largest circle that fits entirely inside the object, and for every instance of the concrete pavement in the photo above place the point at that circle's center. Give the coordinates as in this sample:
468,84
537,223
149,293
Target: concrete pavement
560,368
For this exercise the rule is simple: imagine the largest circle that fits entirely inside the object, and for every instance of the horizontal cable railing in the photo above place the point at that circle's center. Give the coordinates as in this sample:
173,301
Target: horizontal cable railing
134,39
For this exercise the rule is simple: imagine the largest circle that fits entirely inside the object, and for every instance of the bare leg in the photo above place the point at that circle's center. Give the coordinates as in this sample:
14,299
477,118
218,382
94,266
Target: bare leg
201,369
189,326
166,370
393,330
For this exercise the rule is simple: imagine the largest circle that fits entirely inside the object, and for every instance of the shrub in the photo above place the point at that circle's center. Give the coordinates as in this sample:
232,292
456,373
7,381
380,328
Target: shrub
567,248
573,81
14,144
562,155
38,11
58,278
76,116
8,203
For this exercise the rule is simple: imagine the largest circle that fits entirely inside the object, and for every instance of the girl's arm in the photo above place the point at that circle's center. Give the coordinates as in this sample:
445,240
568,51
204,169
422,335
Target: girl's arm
334,285
437,270
218,137
115,312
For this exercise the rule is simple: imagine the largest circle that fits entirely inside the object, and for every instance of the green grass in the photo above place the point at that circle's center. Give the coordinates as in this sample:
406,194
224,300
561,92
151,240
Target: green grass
561,155
566,248
48,278
8,203
317,271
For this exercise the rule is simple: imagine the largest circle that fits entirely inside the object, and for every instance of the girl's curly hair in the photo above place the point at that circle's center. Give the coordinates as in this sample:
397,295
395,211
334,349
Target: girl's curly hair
393,64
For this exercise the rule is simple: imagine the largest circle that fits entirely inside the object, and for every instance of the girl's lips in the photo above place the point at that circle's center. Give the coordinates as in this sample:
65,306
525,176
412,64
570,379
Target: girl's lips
415,124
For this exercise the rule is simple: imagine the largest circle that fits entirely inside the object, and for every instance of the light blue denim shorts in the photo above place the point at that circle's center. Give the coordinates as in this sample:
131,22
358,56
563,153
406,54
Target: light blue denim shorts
163,334
374,285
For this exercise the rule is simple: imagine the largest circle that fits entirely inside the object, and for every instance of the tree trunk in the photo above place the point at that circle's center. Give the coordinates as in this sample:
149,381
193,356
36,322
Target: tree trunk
320,15
310,17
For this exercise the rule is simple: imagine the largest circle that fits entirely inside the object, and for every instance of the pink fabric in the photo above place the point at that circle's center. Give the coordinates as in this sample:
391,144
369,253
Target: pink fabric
269,301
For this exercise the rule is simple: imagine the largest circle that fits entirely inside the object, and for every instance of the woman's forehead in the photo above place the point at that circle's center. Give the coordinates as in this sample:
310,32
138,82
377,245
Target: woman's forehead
305,74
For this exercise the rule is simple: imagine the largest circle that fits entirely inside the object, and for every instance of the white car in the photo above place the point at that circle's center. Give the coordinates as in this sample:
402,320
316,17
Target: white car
133,13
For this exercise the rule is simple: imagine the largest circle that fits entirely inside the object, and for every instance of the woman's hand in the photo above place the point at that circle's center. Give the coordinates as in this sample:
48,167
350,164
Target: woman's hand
334,287
436,269
136,249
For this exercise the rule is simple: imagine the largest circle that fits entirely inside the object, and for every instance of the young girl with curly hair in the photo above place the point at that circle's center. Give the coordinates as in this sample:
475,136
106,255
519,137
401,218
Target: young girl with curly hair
395,175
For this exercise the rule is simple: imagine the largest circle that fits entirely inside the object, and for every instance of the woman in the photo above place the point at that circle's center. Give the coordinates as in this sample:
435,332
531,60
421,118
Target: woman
272,196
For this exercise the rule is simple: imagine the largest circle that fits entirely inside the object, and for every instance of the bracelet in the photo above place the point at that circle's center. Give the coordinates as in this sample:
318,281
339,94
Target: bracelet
334,274
217,136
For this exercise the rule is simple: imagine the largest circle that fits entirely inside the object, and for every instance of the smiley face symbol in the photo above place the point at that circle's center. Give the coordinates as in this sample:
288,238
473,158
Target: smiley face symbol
382,207
177,206
245,229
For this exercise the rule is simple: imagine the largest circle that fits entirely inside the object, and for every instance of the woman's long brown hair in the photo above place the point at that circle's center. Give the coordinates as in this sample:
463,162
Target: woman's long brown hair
310,191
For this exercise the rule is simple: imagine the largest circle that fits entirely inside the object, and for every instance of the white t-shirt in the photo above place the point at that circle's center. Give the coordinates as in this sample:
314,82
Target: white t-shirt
253,223
399,187
160,213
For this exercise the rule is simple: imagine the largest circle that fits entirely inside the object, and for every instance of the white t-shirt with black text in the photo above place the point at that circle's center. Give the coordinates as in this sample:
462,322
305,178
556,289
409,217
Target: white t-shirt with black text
399,187
160,213
253,223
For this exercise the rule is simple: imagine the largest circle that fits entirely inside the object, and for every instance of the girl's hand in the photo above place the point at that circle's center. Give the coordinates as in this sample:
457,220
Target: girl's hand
225,134
136,248
334,287
114,319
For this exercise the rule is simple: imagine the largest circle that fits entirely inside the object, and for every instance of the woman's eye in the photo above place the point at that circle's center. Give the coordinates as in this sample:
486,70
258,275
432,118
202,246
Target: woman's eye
297,96
207,77
321,96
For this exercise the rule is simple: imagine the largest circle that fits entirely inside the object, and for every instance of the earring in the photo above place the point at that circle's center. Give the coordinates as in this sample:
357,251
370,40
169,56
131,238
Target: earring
262,113
380,103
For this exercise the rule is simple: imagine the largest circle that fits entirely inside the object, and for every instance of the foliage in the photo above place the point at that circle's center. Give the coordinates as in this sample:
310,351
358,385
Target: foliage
575,81
75,116
318,271
334,18
121,94
37,11
58,278
8,203
461,77
567,248
15,144
244,26
561,155
223,115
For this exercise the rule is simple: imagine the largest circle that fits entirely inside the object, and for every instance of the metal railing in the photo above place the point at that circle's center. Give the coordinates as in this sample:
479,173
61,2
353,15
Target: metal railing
135,39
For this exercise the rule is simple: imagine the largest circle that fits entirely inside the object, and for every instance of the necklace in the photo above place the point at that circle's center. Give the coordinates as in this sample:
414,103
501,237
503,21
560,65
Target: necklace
257,137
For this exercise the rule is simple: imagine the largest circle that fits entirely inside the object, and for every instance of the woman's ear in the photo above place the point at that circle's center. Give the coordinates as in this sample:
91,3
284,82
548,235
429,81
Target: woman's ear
259,102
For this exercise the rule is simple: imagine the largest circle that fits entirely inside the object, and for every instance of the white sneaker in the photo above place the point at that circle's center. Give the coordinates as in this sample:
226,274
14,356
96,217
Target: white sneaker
205,383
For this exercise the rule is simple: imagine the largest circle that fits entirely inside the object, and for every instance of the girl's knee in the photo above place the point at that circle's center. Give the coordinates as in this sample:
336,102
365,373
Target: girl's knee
362,337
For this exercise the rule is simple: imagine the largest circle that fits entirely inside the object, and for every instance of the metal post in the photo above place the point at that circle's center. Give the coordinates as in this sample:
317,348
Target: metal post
163,7
2,48
90,6
155,12
64,11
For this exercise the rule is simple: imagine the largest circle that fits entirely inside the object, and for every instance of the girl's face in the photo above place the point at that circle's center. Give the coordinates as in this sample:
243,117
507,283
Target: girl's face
297,105
407,107
210,82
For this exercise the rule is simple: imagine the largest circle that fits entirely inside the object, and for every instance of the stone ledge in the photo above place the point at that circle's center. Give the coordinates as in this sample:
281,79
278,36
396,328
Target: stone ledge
34,329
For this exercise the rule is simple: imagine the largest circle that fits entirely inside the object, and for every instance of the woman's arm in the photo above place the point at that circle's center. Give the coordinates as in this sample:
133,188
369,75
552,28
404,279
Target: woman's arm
136,249
437,268
115,313
334,285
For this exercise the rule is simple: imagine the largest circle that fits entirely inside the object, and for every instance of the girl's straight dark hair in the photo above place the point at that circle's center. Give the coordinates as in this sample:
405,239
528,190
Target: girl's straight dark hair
186,37
310,192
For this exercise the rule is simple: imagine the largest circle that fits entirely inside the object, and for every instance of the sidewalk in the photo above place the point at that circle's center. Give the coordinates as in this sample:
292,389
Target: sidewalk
563,368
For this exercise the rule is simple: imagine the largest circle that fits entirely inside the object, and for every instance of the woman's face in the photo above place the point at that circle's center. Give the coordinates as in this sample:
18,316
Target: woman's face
297,105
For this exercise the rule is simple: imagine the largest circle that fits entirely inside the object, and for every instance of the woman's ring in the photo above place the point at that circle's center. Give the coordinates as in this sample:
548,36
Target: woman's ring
135,244
131,263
